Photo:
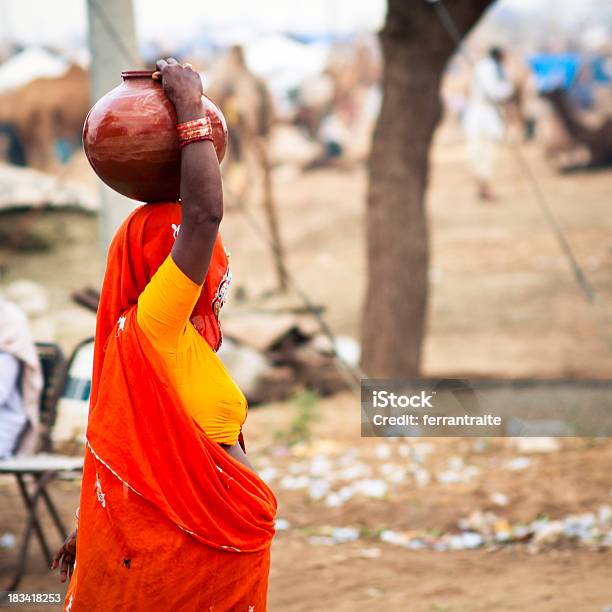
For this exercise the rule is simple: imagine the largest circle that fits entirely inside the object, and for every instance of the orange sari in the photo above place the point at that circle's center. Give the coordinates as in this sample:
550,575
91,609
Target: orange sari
167,520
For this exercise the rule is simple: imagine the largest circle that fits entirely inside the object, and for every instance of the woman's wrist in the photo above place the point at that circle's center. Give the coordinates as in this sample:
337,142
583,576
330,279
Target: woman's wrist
189,110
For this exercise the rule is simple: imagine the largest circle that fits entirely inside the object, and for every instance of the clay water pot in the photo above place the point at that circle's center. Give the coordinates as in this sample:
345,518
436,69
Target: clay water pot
130,139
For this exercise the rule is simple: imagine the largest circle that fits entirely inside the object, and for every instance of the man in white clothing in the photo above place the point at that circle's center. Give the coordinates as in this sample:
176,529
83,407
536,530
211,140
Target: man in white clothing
483,121
21,383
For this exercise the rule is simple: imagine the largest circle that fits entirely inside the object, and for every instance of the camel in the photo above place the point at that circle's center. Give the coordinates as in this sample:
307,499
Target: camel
598,141
45,110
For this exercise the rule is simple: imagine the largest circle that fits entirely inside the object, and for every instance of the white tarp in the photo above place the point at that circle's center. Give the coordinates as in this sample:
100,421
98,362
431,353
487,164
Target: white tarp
25,187
29,64
283,62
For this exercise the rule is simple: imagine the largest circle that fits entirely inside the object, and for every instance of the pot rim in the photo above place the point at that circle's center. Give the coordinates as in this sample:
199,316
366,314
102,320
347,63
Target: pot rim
136,74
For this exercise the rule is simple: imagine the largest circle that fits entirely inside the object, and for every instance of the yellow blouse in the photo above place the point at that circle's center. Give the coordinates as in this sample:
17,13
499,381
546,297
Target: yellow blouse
207,390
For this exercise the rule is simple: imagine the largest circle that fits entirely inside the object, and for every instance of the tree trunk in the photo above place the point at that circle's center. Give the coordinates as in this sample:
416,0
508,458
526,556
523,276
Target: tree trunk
416,49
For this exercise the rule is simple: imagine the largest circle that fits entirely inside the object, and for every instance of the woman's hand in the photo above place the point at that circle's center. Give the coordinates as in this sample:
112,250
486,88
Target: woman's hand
182,86
65,556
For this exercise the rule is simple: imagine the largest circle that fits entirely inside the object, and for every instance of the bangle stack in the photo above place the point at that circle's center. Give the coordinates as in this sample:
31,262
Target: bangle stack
194,131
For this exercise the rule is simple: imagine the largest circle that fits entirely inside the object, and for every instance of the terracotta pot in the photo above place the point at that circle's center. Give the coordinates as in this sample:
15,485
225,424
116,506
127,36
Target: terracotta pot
130,139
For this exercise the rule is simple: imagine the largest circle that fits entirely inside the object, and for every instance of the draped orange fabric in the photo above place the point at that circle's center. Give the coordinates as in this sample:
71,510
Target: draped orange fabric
167,520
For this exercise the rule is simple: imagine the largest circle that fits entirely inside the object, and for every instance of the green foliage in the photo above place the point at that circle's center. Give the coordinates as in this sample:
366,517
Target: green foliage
305,407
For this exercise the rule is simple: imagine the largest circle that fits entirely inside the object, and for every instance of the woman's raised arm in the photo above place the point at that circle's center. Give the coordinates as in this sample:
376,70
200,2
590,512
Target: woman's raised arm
201,188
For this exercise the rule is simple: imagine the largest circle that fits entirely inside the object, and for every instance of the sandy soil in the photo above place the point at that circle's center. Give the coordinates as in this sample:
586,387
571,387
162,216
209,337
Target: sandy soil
368,574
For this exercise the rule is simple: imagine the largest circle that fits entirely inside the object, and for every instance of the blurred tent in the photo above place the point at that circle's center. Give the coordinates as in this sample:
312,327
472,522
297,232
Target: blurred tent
30,64
561,70
325,36
26,187
284,63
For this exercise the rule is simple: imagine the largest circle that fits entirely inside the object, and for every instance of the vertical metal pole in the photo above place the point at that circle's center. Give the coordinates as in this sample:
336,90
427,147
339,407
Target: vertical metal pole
113,48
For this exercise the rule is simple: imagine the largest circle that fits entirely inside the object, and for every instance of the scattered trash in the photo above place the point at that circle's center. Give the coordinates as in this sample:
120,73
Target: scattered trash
449,477
345,534
268,474
465,540
8,540
376,489
317,540
369,553
334,476
503,531
294,483
298,468
548,532
481,522
393,472
456,463
357,470
333,500
349,457
403,450
281,524
481,445
393,537
422,477
382,451
320,465
518,463
318,489
464,474
605,514
499,499
537,445
337,498
420,451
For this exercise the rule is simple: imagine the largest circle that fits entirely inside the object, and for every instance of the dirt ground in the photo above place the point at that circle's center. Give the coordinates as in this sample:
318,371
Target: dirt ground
368,574
503,303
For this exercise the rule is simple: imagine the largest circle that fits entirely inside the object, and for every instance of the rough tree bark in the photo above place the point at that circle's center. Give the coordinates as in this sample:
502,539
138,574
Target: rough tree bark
415,49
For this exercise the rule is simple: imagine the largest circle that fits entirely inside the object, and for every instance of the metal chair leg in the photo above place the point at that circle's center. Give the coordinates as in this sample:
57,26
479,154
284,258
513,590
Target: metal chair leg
30,502
32,523
61,528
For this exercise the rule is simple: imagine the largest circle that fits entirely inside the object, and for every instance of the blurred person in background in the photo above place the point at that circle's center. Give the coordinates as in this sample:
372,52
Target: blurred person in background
315,100
484,120
246,103
20,383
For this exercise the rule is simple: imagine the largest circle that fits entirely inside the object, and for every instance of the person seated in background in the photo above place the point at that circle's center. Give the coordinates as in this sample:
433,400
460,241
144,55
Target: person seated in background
20,383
